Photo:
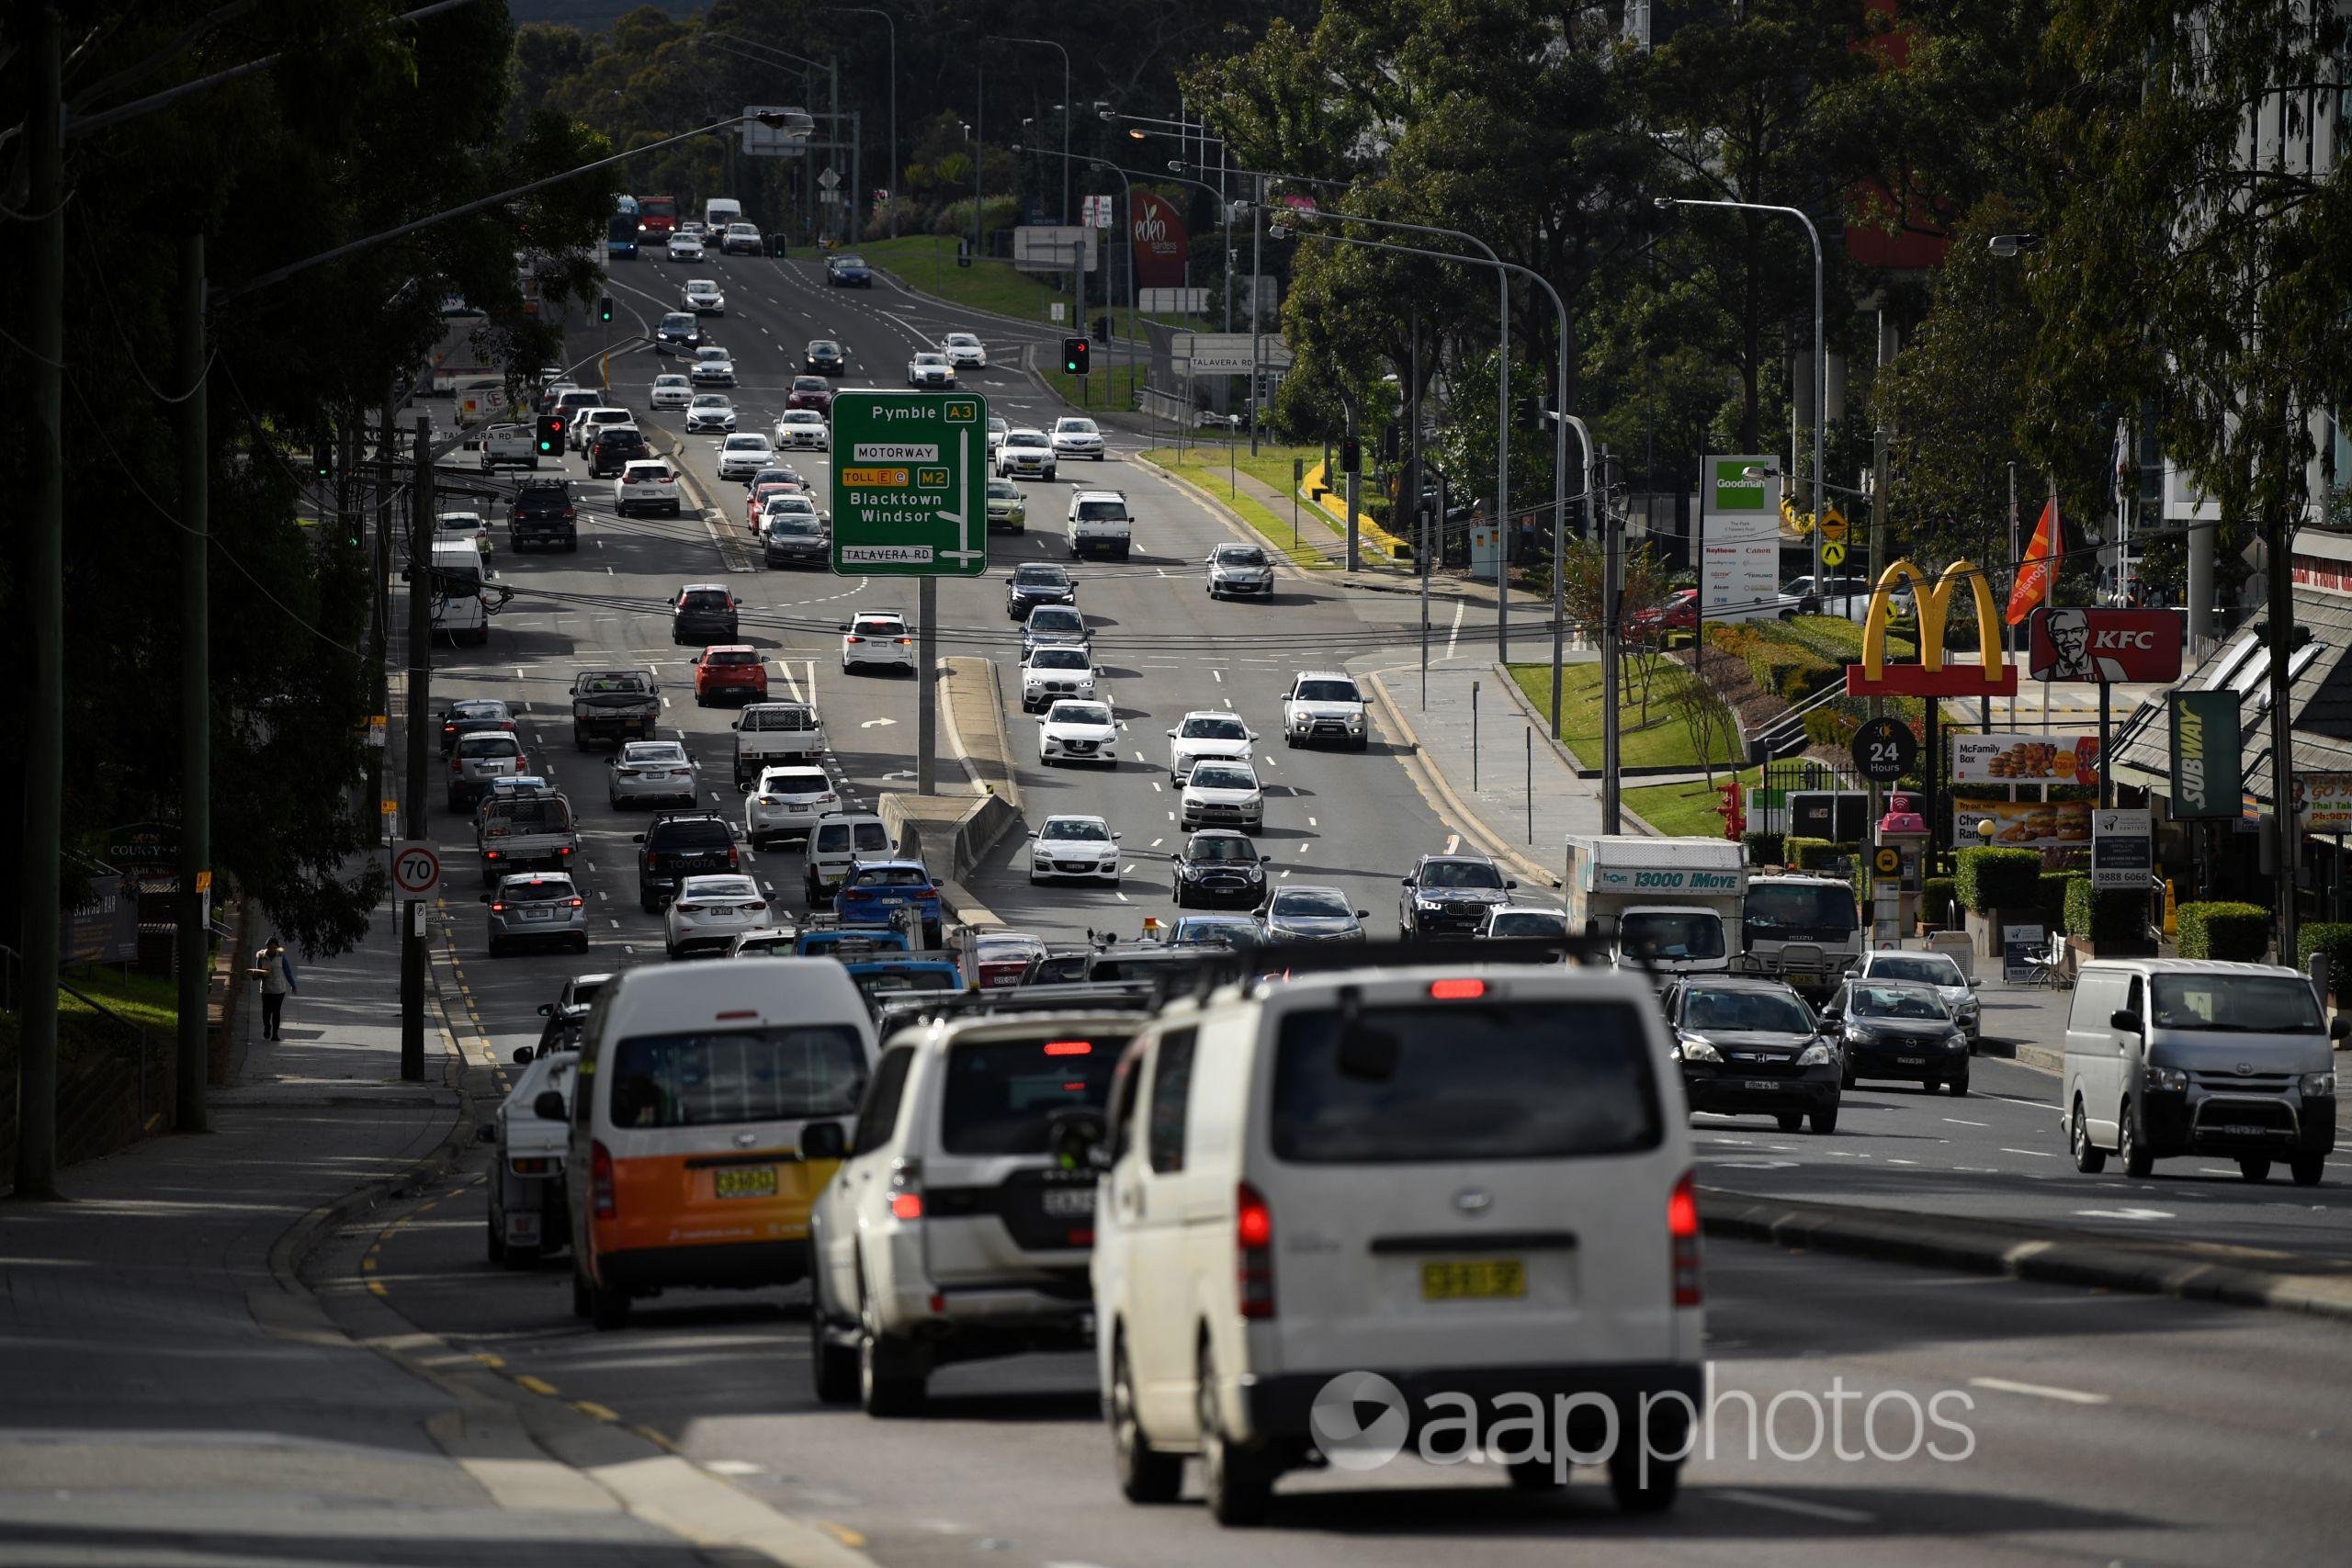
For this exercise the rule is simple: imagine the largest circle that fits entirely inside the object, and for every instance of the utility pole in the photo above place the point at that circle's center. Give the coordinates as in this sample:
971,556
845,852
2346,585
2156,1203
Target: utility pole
843,200
423,590
44,740
1257,270
195,977
1421,528
379,633
1355,445
979,88
2283,814
927,686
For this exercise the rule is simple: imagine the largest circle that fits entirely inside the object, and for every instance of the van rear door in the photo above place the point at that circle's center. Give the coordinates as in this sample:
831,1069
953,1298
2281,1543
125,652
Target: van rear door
1469,1173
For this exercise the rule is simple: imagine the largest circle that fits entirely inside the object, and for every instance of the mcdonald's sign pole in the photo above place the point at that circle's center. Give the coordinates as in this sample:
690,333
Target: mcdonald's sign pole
1931,678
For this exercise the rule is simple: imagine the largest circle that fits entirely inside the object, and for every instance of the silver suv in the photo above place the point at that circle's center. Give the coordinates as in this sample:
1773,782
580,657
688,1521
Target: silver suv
1323,704
538,907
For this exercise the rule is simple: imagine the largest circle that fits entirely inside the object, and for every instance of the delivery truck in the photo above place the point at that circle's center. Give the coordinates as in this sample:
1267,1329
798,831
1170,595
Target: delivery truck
1804,930
1672,905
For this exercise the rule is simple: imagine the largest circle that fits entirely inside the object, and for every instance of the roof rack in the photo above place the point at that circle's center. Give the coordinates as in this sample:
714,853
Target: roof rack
1288,960
916,1006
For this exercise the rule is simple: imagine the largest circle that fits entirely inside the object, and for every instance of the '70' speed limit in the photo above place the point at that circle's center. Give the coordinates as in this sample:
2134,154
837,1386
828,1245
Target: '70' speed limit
416,869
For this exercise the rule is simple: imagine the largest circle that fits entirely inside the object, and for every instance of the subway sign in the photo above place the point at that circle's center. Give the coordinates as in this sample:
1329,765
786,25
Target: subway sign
2206,762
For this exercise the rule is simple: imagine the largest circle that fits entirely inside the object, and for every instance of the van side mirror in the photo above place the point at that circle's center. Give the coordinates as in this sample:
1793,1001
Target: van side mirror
546,1009
823,1140
550,1106
487,1133
2125,1018
2340,1029
1509,884
521,1055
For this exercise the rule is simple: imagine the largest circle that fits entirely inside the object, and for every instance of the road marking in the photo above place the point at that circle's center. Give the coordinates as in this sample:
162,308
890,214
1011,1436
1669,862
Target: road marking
1451,633
2037,1153
1156,842
590,1409
1958,1122
1310,821
1219,675
1795,1505
2039,1391
376,1287
1155,783
2128,1214
842,1533
535,1386
733,1467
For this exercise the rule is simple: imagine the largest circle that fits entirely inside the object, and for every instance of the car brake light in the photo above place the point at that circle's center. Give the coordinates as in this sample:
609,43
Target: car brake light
1456,990
1069,1048
600,1181
498,908
538,1165
732,857
1253,1236
490,855
751,908
904,640
1682,1229
685,908
906,1190
906,1205
577,903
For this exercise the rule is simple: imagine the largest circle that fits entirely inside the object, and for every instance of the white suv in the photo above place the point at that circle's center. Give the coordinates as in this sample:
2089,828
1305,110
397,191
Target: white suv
647,483
1323,704
1436,1191
954,1230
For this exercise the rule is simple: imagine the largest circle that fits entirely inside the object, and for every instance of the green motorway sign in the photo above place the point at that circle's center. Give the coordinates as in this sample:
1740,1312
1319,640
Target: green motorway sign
909,484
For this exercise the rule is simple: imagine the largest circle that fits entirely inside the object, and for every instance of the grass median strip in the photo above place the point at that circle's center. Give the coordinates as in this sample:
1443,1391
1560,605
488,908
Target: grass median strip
1685,810
1657,739
1205,468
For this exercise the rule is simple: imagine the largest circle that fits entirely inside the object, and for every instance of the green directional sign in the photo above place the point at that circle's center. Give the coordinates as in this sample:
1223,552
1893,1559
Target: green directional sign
909,484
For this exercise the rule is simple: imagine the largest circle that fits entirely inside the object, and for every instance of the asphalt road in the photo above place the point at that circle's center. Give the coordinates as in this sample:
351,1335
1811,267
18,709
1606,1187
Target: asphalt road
2098,1428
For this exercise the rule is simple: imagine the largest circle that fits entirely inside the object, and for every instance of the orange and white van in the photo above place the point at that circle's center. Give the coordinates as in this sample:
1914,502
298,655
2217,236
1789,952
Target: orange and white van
695,1084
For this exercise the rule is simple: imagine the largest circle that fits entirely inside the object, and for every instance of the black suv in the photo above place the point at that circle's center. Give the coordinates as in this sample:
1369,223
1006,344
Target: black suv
542,514
614,447
1034,583
1448,896
702,613
678,845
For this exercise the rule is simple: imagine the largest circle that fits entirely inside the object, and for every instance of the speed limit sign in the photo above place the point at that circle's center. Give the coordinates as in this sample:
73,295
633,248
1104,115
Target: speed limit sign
416,868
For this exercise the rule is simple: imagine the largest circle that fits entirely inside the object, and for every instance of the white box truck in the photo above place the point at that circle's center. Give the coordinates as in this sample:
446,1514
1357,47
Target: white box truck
1801,927
1672,903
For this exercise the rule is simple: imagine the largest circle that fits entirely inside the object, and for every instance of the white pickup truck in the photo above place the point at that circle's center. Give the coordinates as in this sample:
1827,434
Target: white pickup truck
1100,524
523,829
510,446
767,734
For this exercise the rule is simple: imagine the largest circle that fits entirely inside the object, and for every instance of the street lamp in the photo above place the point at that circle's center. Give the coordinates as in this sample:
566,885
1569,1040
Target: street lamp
1820,356
1058,48
888,22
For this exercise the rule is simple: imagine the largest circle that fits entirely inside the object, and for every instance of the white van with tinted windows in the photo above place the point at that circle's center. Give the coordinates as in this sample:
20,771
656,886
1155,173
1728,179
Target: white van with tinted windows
2169,1056
1405,1186
697,1083
459,611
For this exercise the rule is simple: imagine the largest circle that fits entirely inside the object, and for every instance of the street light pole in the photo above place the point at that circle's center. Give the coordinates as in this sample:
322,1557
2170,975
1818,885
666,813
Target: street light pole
1067,107
890,23
1820,358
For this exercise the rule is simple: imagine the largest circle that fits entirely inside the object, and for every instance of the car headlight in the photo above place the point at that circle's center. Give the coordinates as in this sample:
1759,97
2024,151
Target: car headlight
1694,1049
2321,1086
1815,1055
1356,721
1955,1040
2167,1078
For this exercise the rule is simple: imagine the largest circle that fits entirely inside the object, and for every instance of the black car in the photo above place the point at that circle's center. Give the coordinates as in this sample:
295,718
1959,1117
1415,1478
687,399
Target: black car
1750,1046
542,514
796,540
681,844
1217,866
1451,896
825,358
613,448
680,333
1894,1029
468,716
702,614
1038,582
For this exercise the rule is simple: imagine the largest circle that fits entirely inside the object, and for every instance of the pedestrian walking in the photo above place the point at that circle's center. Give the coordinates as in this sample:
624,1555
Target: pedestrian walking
274,966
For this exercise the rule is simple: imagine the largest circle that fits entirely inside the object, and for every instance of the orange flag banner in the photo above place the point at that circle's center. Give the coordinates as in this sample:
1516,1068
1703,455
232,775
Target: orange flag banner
2038,570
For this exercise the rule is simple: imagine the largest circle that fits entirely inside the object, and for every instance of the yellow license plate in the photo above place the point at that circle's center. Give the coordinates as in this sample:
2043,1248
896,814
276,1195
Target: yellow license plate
1487,1278
746,1182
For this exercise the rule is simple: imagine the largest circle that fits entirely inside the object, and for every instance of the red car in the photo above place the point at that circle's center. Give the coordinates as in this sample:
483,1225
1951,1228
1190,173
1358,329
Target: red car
734,670
810,392
1679,613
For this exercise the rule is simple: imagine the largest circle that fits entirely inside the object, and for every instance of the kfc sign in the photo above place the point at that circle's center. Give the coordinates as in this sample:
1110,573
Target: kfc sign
2104,646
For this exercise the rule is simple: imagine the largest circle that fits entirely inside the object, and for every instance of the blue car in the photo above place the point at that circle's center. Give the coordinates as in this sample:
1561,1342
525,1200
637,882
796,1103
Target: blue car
848,272
874,890
847,943
878,979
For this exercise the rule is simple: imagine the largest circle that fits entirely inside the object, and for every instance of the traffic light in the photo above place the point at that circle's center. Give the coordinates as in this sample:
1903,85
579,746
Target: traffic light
550,442
1350,455
1390,439
604,308
321,463
1075,352
1534,412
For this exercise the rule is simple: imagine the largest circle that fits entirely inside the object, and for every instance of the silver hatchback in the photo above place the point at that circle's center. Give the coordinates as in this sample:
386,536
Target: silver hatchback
537,908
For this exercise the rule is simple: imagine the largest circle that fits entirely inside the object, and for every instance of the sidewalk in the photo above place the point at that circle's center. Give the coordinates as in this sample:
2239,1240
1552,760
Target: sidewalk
174,1394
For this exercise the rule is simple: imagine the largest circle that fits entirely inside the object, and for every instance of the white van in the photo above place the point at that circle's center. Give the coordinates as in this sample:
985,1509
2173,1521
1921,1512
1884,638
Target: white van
719,212
2169,1056
459,611
697,1082
1449,1185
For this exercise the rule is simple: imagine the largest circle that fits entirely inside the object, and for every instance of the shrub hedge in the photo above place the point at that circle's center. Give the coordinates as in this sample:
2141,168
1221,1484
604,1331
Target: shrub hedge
1938,903
2224,930
2335,939
2115,918
1763,848
1991,879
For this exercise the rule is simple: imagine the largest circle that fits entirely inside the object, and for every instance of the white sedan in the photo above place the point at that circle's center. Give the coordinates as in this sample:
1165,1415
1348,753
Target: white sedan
786,504
711,912
1077,436
740,456
1075,846
787,802
672,392
703,297
645,773
712,367
930,370
1075,732
802,427
1206,734
964,351
686,247
1222,795
710,411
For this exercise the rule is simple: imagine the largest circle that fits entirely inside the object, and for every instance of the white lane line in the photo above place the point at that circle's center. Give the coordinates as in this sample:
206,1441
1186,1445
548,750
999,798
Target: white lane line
612,922
2037,1153
1121,897
1310,821
1155,783
1156,842
1794,1505
2039,1391
1452,632
1219,674
1954,1120
733,1467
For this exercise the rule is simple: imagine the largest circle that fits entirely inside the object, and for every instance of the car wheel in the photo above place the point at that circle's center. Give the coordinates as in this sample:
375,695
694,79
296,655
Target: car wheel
890,1380
2254,1167
832,1366
494,1232
1846,1078
1824,1121
1791,1121
1146,1475
2137,1162
607,1308
2089,1158
579,943
1957,1087
651,905
2307,1169
582,1298
1642,1482
497,947
1240,1481
571,543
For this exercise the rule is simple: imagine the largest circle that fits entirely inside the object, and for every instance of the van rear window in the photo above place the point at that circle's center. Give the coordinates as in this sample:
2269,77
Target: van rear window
1470,1081
777,1073
1002,1094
